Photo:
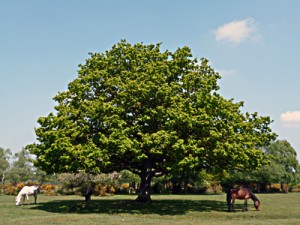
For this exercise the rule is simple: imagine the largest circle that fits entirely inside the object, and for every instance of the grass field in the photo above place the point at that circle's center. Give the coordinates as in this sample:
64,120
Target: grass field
165,209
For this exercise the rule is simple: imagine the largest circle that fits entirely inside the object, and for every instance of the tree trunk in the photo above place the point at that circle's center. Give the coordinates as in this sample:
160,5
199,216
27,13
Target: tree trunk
88,194
144,189
3,177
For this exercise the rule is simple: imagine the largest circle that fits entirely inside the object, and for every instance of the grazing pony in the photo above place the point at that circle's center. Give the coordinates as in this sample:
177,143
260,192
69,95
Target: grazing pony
242,193
27,191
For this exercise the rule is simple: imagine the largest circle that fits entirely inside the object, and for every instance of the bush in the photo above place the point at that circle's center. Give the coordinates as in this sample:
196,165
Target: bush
20,186
295,188
279,188
31,183
276,188
125,188
10,189
214,188
102,190
101,184
48,189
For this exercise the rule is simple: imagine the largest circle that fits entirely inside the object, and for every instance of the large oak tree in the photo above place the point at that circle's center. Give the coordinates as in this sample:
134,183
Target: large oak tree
149,111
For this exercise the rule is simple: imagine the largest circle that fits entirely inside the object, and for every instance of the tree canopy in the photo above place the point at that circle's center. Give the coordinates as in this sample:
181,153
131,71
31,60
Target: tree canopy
284,164
149,111
22,167
4,160
283,168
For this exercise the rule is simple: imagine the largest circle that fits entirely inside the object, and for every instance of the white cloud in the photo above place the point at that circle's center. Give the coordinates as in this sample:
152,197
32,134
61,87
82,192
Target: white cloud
237,31
226,72
290,119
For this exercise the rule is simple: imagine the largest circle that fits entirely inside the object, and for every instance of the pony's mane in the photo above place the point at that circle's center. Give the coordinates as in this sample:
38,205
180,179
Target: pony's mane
253,196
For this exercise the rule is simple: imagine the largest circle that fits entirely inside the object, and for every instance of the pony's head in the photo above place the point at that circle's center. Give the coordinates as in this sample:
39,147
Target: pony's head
18,200
257,204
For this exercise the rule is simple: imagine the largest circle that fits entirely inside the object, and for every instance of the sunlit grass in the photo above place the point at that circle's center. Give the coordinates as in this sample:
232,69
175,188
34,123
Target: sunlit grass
165,209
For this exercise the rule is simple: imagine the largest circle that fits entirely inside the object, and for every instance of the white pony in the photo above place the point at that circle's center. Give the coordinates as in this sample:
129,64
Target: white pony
27,191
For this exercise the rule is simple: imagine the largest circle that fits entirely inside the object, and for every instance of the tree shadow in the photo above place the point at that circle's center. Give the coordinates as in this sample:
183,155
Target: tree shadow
106,206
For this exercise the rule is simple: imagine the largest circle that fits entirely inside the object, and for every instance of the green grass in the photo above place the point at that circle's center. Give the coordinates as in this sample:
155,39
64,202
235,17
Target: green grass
165,209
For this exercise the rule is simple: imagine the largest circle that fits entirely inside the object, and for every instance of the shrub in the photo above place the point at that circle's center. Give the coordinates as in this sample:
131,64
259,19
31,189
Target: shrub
125,186
97,189
20,186
275,187
102,190
214,188
31,183
48,189
102,184
10,189
112,190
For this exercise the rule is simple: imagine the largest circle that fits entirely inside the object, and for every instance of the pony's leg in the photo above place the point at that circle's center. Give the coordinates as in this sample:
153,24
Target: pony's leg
35,198
23,199
27,199
232,205
245,206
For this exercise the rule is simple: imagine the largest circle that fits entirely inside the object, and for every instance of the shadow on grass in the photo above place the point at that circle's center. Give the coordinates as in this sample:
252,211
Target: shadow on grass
159,207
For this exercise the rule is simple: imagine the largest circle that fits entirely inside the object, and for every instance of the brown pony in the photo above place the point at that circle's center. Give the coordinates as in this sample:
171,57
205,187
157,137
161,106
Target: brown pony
241,193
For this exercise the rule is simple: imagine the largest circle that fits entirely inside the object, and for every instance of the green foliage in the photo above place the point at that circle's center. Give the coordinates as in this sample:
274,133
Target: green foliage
68,182
42,177
150,112
4,160
128,177
22,167
283,169
285,157
284,166
4,164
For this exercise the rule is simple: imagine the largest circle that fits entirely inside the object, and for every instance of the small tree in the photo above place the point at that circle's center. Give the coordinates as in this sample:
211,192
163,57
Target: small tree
284,165
4,164
86,183
22,168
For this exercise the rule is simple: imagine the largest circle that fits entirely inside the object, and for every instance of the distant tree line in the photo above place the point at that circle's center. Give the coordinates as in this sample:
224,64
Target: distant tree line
283,169
18,167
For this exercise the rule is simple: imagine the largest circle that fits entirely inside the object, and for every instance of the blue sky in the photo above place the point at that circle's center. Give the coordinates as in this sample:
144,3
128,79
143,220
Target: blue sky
253,44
